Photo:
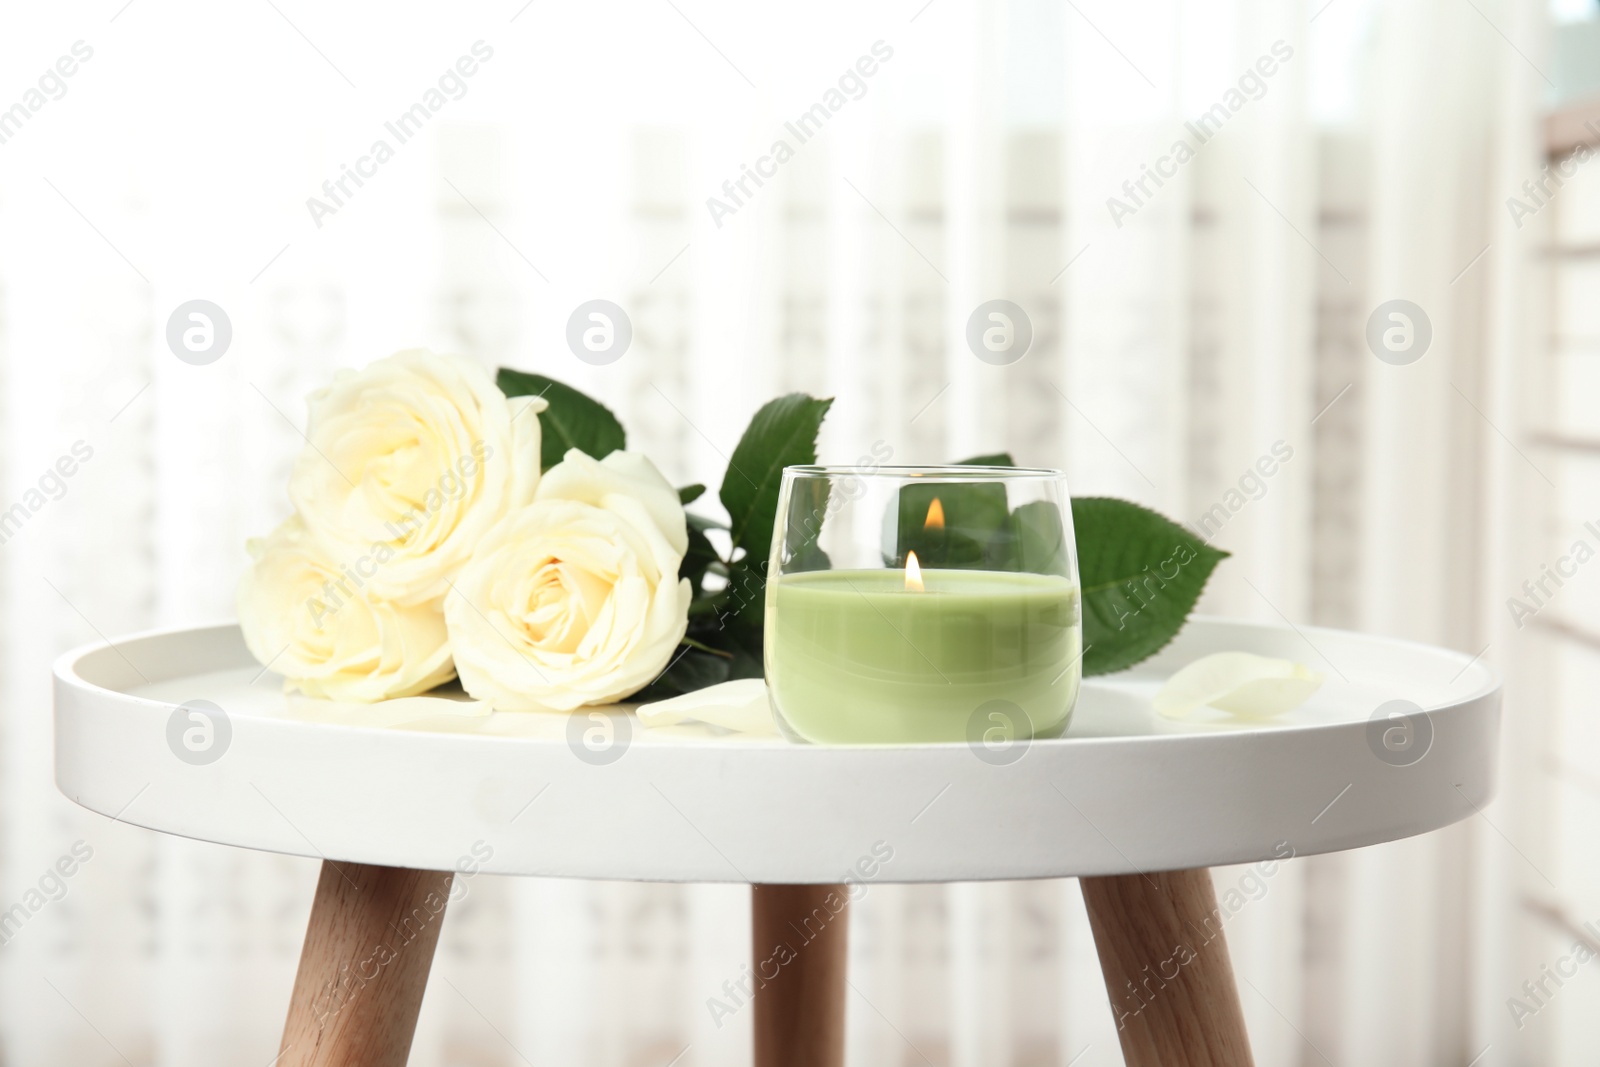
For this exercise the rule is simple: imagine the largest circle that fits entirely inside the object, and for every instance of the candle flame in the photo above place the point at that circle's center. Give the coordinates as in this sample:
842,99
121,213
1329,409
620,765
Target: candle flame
913,574
935,519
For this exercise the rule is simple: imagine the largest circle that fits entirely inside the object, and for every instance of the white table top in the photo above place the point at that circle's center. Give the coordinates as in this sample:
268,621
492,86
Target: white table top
1124,791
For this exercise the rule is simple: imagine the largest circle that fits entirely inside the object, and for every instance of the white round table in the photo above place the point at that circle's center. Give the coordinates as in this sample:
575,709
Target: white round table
1137,806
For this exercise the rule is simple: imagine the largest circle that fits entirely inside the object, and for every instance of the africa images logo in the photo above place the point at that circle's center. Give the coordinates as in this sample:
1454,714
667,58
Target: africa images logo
1251,85
808,125
451,85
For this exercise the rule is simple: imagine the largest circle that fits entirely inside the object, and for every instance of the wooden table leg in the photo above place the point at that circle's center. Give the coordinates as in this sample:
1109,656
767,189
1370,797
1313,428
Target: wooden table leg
799,937
1166,966
364,966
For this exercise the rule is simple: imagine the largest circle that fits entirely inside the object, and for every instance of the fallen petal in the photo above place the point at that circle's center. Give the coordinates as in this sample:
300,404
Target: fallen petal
739,705
1240,683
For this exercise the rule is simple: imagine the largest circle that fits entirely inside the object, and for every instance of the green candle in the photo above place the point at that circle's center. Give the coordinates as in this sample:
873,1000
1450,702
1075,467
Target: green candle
863,656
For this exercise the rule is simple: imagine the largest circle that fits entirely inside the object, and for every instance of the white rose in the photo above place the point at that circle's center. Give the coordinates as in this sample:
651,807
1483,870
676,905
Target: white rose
575,599
410,462
306,620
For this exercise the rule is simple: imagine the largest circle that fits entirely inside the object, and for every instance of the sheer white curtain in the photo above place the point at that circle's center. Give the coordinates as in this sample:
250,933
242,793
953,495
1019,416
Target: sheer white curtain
1178,337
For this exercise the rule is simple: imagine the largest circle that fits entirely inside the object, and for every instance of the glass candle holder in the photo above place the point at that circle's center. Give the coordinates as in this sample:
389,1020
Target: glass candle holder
923,604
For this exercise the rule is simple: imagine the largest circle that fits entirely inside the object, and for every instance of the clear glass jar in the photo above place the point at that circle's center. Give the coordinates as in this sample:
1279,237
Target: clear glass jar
923,604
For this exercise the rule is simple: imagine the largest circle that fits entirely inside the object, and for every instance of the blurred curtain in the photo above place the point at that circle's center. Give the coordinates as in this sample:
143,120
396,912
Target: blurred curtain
1183,325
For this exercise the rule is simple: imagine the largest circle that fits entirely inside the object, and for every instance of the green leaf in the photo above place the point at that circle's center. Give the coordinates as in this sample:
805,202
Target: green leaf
782,434
746,643
1037,541
993,459
808,557
690,493
703,647
689,669
977,531
729,625
701,608
744,601
573,420
967,530
1141,574
808,509
701,554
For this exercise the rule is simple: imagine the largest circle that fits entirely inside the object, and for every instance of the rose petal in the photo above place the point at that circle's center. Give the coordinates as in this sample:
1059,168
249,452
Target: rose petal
739,705
627,475
574,599
302,615
1240,683
408,463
